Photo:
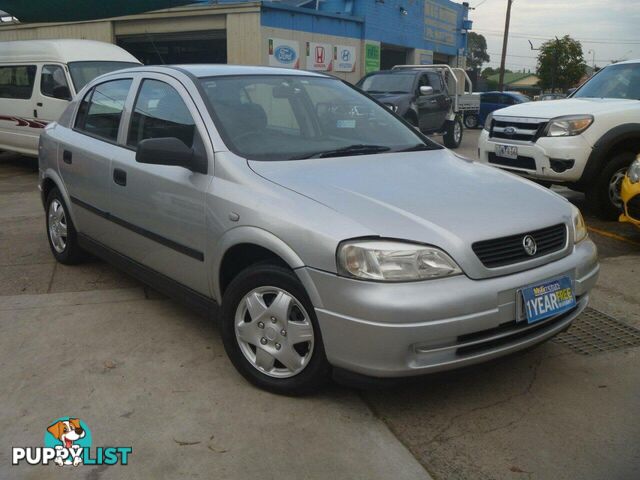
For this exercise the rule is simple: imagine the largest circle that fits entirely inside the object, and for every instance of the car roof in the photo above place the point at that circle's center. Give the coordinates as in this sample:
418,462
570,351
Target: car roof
219,70
625,62
63,50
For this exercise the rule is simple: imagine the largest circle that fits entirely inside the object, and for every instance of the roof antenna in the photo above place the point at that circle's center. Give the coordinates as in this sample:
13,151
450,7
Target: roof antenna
155,48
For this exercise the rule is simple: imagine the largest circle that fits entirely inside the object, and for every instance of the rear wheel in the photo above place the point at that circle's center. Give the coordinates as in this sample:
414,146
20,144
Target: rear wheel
471,120
453,135
271,333
62,235
604,194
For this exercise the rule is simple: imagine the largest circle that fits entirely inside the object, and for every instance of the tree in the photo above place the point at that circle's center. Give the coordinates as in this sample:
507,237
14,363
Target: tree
560,63
476,50
489,71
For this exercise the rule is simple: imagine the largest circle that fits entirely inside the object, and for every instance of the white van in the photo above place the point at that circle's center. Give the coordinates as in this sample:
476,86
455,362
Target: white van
38,78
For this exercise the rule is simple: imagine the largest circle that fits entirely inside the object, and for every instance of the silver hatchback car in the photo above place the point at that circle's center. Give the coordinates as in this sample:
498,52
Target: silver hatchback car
324,232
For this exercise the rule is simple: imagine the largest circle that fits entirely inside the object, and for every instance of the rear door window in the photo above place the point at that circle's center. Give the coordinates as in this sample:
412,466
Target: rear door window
101,109
17,81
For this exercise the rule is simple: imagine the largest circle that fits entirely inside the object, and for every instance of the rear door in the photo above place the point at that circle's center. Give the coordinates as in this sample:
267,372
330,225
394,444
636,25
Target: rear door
85,152
19,129
158,211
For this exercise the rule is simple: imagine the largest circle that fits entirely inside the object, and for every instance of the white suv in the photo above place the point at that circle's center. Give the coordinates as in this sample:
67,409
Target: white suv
586,142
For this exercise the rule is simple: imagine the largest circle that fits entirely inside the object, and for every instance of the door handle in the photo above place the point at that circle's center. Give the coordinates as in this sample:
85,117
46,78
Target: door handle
35,113
433,101
120,176
67,157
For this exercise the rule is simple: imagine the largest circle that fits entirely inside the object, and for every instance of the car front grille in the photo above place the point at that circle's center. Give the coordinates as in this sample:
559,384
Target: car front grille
520,162
503,251
524,131
633,208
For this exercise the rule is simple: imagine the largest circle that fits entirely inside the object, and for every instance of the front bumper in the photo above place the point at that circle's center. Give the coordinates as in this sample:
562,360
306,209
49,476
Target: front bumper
544,151
404,329
630,194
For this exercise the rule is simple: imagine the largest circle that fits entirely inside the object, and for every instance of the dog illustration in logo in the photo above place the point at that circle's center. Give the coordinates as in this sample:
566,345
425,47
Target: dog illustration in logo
67,432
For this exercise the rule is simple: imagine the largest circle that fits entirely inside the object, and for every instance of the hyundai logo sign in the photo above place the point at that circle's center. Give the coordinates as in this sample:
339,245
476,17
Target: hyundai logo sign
285,54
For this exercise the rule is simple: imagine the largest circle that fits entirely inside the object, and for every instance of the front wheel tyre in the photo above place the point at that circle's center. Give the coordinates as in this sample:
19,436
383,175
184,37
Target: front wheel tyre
270,331
61,233
453,135
604,194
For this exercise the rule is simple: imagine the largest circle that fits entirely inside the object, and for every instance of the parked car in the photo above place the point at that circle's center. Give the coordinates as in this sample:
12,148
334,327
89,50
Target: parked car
325,233
421,95
551,96
38,78
492,101
630,194
586,142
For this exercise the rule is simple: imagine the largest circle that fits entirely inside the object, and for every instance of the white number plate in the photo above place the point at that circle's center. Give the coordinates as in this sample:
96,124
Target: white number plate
507,151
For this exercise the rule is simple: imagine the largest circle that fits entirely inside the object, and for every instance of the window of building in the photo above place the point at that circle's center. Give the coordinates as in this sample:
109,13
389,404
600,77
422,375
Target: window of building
17,81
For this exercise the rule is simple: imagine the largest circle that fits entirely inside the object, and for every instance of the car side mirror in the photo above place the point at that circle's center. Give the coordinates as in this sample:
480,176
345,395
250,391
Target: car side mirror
62,92
165,151
424,90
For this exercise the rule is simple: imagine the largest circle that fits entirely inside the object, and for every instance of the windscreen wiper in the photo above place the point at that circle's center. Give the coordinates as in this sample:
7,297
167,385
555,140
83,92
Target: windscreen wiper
359,149
416,148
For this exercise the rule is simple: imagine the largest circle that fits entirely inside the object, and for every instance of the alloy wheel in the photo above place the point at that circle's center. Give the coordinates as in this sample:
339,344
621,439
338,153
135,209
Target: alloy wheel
57,226
615,185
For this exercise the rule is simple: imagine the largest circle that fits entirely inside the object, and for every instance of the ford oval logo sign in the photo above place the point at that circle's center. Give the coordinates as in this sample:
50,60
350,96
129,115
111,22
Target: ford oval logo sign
285,54
509,131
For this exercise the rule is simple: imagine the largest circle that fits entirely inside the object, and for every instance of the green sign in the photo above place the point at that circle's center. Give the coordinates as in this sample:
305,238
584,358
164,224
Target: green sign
371,57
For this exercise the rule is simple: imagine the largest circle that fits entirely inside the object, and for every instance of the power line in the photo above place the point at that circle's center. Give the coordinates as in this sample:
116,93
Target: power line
541,37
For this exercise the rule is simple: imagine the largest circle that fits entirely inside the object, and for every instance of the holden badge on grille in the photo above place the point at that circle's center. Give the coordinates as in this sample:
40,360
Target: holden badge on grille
529,245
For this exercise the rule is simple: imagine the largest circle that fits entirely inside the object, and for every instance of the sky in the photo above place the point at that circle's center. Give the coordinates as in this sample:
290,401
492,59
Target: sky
610,28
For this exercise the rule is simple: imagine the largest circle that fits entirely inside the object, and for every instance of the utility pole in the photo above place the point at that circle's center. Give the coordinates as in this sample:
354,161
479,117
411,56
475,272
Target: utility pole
504,46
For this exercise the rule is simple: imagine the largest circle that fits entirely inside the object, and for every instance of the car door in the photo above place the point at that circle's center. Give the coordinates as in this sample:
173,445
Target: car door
489,102
442,100
427,105
19,130
158,211
85,152
54,93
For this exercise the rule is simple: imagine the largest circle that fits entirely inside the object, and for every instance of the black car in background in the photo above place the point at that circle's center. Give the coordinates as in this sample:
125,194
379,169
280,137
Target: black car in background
420,97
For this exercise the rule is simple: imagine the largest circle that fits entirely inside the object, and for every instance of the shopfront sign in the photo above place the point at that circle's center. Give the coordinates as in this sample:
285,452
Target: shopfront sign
284,53
371,57
344,58
319,56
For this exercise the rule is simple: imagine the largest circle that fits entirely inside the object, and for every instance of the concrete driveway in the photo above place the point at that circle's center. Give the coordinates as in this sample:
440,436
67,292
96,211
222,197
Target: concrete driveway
142,371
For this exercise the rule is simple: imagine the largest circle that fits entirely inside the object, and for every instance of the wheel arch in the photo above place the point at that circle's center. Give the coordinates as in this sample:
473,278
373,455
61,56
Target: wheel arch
619,139
50,180
245,246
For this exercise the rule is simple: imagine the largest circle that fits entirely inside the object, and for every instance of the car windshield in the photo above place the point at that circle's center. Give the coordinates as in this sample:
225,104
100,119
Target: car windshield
83,72
388,83
616,81
521,98
287,117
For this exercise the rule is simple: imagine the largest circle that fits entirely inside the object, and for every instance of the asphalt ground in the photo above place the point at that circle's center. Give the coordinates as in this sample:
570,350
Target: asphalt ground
90,341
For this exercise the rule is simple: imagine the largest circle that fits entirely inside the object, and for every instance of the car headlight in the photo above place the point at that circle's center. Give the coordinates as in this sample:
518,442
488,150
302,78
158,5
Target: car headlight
579,227
634,171
393,261
568,126
392,107
487,122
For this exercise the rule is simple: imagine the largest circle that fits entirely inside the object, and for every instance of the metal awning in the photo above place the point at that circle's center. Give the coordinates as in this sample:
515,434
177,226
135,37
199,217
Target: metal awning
33,11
